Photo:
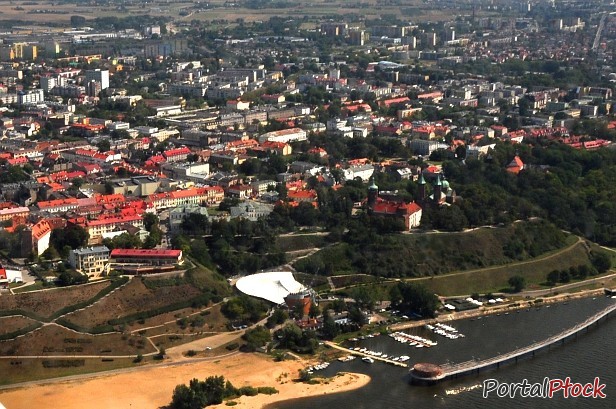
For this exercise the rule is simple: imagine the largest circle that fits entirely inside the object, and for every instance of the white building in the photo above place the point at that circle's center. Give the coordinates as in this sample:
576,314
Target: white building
32,96
89,260
98,75
364,172
285,136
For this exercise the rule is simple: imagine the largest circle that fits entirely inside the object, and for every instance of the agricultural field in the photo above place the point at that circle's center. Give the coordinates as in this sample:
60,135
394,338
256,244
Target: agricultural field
57,13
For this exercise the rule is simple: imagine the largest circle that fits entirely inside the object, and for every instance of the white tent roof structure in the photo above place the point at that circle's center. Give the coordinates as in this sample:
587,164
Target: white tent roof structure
273,286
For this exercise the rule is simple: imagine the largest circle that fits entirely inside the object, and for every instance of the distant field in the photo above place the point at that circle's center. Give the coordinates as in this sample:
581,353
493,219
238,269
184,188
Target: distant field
59,13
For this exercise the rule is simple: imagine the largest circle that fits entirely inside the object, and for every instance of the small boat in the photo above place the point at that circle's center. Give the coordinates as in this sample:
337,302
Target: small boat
368,359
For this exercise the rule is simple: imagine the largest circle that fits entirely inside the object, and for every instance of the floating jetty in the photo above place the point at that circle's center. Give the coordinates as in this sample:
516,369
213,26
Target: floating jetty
429,374
364,354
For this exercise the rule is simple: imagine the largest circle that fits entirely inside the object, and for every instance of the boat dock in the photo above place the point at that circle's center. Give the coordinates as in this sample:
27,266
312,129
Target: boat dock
429,373
358,353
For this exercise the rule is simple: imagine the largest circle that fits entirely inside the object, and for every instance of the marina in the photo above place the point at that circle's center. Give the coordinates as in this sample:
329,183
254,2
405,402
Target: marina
426,373
372,355
582,357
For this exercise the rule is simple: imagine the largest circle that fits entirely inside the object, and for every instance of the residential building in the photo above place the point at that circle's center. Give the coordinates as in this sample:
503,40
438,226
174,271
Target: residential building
285,135
178,213
109,223
251,210
98,75
89,260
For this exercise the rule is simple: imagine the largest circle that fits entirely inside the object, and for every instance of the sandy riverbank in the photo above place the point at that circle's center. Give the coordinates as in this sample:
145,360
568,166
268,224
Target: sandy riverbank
290,390
152,387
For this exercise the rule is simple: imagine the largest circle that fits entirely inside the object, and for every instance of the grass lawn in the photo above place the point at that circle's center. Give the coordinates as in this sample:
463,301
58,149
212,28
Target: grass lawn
23,370
38,285
56,340
495,279
300,242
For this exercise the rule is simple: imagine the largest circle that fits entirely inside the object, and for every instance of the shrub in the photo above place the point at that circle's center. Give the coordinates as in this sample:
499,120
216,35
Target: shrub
267,390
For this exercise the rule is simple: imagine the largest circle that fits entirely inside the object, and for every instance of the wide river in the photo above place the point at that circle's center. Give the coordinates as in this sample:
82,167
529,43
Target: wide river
592,354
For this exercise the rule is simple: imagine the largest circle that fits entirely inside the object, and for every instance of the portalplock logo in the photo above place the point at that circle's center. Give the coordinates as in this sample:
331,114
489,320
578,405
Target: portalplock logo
549,388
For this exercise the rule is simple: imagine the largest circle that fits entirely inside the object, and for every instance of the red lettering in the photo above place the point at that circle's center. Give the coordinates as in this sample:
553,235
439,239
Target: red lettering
555,386
567,387
598,389
587,390
576,390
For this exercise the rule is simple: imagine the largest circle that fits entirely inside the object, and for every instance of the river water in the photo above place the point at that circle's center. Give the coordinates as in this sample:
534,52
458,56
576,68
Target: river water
592,354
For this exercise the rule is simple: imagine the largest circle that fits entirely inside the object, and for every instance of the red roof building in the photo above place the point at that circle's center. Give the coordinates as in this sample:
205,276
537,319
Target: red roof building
146,256
410,213
516,165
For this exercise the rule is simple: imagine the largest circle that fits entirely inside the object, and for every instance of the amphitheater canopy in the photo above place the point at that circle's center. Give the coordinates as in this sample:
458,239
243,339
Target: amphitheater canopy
273,286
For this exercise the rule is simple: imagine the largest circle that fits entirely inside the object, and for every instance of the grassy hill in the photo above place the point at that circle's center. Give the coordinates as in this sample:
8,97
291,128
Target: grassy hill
421,255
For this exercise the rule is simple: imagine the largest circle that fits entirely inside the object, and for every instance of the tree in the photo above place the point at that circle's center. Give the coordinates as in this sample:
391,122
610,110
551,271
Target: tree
78,21
72,235
314,311
553,277
150,220
256,338
601,261
415,298
104,146
77,182
517,283
71,278
330,329
278,317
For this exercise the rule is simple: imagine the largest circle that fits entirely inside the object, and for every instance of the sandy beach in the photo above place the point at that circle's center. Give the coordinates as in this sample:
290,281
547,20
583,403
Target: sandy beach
152,387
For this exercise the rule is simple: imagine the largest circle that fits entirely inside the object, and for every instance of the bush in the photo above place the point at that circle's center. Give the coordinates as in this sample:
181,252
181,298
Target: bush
232,347
267,390
249,391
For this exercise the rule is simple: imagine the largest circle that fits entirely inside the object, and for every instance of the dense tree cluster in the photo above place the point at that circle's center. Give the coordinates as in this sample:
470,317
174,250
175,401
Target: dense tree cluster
414,298
292,337
245,308
364,249
256,337
199,394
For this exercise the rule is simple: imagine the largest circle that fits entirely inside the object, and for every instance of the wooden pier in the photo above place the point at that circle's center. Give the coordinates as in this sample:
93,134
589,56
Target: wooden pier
362,354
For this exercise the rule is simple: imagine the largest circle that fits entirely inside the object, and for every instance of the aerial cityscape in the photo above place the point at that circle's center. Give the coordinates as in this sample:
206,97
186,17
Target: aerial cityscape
276,204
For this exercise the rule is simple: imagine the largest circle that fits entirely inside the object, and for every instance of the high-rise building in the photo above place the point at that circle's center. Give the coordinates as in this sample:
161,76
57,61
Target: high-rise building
98,75
25,51
30,97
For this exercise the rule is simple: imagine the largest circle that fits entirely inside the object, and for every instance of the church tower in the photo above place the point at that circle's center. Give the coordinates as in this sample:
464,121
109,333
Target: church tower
373,193
421,188
438,188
